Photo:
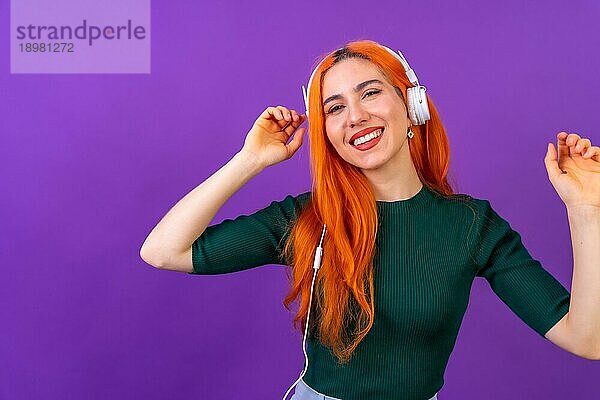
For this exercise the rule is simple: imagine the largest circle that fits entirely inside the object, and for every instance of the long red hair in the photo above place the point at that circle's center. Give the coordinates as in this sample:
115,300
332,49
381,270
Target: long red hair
342,198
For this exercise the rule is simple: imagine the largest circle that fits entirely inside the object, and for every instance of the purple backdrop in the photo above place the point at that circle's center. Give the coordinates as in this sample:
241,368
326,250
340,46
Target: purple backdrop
91,162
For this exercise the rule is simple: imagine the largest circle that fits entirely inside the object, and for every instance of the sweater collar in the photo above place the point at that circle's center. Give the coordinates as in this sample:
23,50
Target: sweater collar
418,201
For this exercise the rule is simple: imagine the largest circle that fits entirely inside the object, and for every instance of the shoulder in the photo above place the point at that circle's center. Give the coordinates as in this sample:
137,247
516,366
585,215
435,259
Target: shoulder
288,207
303,198
466,207
487,221
294,200
457,204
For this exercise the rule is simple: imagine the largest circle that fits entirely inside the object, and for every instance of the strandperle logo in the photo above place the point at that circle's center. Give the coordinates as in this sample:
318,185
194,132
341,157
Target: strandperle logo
75,36
86,32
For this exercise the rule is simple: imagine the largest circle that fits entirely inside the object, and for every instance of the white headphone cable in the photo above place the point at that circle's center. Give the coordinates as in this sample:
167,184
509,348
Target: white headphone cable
316,266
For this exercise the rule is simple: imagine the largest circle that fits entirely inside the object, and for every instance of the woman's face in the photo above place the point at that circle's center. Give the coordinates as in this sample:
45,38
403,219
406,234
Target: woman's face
351,103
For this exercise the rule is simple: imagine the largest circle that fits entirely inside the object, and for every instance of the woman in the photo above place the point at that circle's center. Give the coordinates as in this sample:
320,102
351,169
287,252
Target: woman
401,250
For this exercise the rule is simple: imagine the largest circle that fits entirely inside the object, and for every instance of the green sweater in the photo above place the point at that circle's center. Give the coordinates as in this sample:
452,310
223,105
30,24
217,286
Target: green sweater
428,252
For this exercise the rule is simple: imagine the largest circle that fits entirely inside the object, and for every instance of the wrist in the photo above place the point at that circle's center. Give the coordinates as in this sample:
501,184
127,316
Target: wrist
249,161
585,211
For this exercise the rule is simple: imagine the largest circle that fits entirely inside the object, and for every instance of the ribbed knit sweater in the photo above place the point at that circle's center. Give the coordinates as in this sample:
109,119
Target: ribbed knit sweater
429,249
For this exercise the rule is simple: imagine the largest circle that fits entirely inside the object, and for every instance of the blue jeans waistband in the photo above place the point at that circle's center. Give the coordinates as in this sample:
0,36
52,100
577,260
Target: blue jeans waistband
305,392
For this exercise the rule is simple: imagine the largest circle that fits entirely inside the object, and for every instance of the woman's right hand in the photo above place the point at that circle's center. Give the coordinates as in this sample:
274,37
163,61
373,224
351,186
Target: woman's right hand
267,141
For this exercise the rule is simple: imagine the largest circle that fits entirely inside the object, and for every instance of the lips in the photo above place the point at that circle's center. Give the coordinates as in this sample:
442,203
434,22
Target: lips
368,145
364,132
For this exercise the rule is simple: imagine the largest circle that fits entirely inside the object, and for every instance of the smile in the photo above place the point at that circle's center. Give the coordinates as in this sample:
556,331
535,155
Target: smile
368,141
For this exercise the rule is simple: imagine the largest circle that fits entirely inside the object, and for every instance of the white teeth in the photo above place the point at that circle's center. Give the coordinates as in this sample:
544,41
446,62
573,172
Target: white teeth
368,137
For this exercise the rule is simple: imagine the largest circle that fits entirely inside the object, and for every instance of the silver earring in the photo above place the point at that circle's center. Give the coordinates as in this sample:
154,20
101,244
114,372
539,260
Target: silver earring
410,133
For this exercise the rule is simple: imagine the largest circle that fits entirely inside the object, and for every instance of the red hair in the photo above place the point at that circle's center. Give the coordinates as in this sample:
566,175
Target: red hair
342,198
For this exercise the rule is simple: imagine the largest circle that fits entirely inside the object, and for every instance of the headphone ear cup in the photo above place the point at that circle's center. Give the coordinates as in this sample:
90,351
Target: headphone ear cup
418,107
410,93
423,106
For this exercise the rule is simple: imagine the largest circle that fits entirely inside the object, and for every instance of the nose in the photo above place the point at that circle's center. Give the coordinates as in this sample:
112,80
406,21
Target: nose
357,115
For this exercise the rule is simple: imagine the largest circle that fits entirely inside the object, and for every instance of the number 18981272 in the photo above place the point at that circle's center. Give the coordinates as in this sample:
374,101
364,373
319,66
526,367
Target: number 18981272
59,47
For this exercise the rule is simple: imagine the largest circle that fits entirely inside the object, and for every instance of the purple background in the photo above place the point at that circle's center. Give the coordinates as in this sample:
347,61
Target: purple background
91,162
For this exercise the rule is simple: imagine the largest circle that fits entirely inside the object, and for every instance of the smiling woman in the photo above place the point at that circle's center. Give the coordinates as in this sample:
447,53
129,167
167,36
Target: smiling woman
359,93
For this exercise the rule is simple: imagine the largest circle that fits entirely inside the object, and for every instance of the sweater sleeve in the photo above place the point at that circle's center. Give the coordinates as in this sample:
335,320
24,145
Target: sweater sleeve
247,241
519,280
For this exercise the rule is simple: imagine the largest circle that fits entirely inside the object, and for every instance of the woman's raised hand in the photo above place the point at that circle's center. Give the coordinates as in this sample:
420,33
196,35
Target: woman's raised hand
267,141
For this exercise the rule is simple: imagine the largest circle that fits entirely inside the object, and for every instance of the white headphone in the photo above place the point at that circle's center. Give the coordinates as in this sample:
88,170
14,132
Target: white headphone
418,110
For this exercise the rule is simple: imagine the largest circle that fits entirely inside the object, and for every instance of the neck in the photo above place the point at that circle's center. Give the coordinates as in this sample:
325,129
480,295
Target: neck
397,179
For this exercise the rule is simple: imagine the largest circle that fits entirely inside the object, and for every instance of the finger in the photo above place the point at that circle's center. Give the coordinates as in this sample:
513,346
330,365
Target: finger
572,140
563,148
296,142
272,113
588,152
551,162
286,128
278,113
295,116
591,152
285,112
291,126
582,145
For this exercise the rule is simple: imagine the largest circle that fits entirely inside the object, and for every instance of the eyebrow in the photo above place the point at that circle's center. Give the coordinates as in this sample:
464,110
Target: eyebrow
358,87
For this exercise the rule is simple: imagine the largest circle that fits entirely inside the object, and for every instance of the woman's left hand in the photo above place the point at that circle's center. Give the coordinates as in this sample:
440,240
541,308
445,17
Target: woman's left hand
579,184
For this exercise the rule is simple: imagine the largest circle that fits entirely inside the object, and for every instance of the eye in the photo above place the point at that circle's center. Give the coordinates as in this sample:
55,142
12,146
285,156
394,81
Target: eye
333,109
372,92
367,94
